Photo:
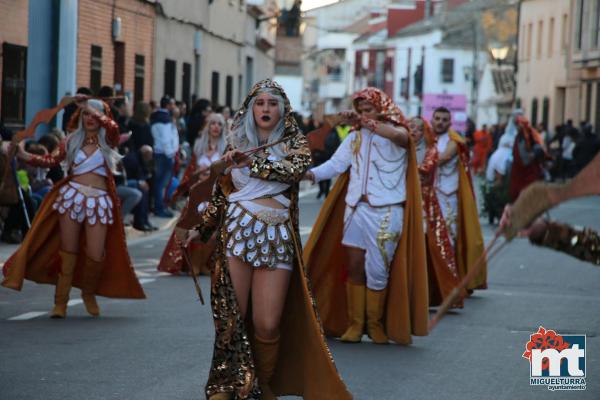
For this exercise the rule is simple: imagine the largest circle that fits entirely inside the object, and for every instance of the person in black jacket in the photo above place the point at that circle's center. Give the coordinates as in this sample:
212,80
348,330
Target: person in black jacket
137,164
139,125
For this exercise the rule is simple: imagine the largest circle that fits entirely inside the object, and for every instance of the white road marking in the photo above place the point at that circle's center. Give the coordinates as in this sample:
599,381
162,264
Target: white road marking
146,280
74,302
141,274
29,315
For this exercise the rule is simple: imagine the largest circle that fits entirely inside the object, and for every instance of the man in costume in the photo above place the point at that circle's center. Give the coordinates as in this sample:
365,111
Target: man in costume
453,218
268,340
382,231
528,155
81,211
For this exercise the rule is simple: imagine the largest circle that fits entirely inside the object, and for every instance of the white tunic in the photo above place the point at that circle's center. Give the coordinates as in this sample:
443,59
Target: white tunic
378,170
447,174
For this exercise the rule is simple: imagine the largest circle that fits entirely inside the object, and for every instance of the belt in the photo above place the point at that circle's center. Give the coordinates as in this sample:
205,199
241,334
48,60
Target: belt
365,199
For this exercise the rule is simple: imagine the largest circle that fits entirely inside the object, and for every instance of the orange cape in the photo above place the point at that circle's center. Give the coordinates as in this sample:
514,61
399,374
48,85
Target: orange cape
407,301
37,258
469,242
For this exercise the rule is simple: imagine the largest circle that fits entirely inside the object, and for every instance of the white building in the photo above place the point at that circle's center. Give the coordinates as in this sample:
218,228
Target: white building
436,57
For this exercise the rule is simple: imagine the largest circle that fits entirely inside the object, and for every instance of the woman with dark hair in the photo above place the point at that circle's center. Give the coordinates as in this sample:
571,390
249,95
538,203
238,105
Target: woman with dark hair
198,114
139,125
268,340
79,211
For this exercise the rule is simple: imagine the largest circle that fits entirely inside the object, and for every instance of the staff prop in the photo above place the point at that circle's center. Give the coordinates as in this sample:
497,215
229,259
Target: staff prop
536,199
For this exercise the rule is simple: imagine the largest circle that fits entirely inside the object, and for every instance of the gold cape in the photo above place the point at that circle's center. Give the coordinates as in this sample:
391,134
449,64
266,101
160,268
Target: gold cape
469,242
407,301
37,258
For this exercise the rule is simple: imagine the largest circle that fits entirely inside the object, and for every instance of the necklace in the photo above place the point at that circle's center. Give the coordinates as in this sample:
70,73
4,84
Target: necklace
91,140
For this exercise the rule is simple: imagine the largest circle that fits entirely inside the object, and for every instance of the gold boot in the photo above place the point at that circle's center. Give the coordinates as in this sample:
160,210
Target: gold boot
355,295
91,274
375,308
63,285
265,358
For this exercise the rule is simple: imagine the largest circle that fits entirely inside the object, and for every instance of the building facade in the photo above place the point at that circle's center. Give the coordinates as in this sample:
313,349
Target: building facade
547,88
585,61
115,46
13,61
212,49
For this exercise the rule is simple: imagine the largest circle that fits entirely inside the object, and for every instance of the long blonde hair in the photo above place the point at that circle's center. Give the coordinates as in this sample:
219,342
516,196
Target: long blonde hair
201,145
75,141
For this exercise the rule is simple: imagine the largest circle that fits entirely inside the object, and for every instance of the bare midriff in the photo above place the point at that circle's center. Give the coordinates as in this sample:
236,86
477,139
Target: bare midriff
91,179
268,202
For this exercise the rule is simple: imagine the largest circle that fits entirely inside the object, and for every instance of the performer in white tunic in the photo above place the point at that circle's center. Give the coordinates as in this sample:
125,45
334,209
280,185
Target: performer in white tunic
377,158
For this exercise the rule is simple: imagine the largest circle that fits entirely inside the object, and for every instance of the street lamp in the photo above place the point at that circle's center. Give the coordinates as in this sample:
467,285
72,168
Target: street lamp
499,52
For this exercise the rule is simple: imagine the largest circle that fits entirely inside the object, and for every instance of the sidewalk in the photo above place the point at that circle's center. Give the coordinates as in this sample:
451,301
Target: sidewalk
164,224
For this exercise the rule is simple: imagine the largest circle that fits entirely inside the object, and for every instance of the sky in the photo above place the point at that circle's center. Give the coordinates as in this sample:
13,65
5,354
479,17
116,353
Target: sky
308,4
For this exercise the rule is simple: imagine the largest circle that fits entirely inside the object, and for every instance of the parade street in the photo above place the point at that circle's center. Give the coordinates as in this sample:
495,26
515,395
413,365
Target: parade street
160,348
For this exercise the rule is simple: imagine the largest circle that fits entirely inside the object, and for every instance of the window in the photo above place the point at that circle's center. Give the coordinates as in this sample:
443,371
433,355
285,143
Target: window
119,67
447,70
588,101
540,37
380,70
169,81
186,83
139,76
545,111
249,73
529,37
14,74
597,113
518,103
596,31
579,27
522,47
96,69
214,89
240,89
564,33
551,37
228,90
534,111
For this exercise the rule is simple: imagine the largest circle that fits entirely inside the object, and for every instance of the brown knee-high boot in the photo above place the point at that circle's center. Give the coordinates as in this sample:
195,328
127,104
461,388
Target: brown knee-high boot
375,308
63,286
265,358
355,295
91,274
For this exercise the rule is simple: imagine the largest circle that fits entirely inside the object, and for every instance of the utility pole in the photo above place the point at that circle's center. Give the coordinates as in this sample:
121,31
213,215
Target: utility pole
427,9
475,68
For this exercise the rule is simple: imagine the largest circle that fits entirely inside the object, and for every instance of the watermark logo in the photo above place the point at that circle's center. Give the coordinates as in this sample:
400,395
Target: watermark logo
556,361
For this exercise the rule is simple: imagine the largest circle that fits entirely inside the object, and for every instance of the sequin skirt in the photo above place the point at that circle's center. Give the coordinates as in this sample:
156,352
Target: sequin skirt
259,235
84,203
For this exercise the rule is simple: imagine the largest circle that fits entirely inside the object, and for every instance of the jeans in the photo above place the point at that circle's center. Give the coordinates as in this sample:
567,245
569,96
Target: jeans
130,197
140,212
163,170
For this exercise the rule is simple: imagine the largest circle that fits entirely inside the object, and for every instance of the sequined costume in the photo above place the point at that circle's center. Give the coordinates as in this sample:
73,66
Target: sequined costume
583,244
172,259
376,207
441,258
38,258
456,223
304,364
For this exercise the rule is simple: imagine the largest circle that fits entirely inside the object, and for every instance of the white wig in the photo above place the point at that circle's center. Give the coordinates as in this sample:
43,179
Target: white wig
244,136
75,140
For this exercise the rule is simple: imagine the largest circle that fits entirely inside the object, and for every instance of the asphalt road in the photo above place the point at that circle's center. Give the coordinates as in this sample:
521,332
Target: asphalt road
160,348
